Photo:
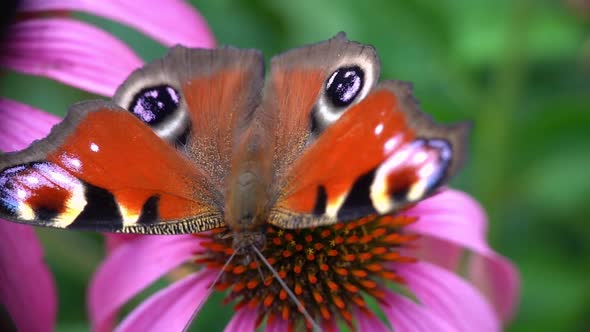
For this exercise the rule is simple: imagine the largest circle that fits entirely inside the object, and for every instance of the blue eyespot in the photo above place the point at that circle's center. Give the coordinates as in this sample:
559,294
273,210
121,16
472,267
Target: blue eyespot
154,104
344,85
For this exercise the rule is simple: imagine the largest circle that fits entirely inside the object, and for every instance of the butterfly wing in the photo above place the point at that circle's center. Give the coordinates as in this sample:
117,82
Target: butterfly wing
212,95
296,109
155,166
373,153
102,169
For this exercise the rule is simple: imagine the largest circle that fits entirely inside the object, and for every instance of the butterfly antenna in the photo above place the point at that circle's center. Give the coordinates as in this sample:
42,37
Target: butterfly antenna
258,268
310,319
209,292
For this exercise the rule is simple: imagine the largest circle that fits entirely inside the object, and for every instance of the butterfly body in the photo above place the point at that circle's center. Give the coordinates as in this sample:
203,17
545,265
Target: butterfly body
248,192
199,140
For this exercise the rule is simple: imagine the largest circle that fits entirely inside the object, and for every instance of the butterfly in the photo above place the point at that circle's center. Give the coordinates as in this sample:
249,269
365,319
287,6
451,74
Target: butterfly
200,140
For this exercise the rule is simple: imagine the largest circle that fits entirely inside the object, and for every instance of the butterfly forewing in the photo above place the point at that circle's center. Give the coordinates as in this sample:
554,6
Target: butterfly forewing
103,169
159,165
381,155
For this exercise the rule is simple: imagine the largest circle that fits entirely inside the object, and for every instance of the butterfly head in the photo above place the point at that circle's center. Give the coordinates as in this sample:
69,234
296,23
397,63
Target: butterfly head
243,240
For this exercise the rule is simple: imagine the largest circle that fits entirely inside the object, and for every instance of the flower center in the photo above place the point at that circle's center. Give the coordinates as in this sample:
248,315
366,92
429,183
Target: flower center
329,269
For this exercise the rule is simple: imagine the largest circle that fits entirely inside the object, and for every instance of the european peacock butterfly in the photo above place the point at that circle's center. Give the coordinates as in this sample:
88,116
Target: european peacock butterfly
199,140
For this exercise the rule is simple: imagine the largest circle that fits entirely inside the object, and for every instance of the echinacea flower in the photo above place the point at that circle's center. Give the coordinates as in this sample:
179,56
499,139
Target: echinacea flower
414,265
333,270
88,58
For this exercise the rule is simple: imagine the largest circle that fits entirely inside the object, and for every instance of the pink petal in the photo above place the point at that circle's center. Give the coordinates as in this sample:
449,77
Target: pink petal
496,277
132,267
440,252
453,298
69,51
171,22
113,241
171,308
243,320
27,290
407,316
456,218
22,124
280,325
455,213
366,323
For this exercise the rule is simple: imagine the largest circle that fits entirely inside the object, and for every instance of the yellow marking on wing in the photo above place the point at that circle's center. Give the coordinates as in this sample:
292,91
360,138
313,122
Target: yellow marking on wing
25,212
129,217
334,205
417,191
74,206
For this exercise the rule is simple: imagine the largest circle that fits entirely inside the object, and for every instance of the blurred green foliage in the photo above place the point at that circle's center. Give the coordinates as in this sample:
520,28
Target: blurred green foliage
519,69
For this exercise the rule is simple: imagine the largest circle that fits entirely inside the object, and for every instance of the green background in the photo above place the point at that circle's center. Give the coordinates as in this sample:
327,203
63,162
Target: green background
519,69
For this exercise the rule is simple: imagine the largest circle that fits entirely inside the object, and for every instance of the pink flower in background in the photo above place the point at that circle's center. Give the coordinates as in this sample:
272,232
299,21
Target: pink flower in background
27,291
419,252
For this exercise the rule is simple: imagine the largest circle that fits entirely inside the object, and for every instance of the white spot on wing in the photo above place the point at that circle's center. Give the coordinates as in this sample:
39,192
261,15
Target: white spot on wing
32,180
420,157
76,163
173,94
427,170
21,194
94,147
71,161
392,143
61,178
379,129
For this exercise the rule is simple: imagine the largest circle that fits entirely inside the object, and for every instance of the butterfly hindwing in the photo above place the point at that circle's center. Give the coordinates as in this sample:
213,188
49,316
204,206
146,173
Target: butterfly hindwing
212,94
103,169
296,108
